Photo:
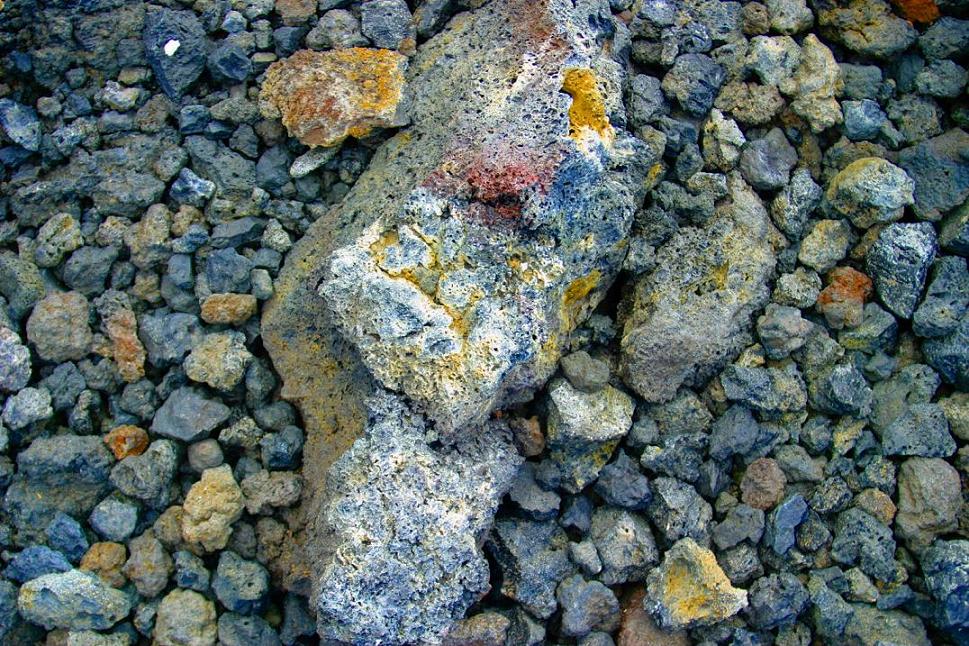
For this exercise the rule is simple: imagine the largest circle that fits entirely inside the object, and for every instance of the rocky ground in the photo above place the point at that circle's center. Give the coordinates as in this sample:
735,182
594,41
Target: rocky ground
638,322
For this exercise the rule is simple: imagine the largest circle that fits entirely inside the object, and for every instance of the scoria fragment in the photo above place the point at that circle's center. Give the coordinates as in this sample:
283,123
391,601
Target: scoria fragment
325,97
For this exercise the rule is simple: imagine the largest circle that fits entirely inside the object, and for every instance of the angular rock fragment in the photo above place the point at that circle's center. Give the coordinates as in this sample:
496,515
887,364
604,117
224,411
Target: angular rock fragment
689,589
502,212
692,315
325,97
407,521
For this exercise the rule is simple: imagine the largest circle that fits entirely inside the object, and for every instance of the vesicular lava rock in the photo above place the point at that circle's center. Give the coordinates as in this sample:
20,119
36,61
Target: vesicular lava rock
690,317
324,97
510,219
408,521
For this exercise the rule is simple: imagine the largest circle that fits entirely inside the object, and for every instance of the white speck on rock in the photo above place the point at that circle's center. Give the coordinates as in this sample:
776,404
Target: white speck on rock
171,47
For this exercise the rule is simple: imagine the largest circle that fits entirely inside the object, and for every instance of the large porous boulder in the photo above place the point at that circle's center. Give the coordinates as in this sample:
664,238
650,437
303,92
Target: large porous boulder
691,316
404,526
495,224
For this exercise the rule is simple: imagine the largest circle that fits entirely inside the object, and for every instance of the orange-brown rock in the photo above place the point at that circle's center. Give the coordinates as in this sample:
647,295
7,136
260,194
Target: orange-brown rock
842,302
921,11
120,325
295,12
639,629
228,309
325,97
126,440
106,560
763,484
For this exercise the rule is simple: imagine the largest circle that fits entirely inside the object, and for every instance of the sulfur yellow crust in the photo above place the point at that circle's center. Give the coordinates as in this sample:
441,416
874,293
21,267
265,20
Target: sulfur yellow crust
588,110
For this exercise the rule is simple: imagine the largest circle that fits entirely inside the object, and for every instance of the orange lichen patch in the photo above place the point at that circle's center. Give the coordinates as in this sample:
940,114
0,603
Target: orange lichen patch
842,302
126,440
325,97
228,309
693,588
588,110
921,11
121,327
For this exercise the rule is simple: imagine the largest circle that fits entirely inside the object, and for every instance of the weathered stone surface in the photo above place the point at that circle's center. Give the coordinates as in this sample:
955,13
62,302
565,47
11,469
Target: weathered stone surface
325,97
870,191
458,296
692,315
211,506
73,599
406,521
689,589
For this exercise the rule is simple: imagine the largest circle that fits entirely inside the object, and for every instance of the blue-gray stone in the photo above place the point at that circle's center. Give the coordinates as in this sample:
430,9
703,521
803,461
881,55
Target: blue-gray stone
941,172
533,558
693,82
33,562
240,630
73,600
228,62
228,271
8,607
945,566
236,233
946,299
21,124
148,477
859,539
168,337
783,521
180,66
187,415
241,586
863,119
114,519
776,601
191,189
190,572
898,263
950,354
922,430
620,483
586,606
67,536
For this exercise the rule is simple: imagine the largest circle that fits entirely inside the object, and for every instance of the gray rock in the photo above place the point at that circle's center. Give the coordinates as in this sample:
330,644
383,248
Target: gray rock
945,38
185,618
867,27
240,630
176,47
190,572
148,565
387,23
584,372
624,543
825,245
945,566
678,511
941,173
782,330
168,337
870,191
586,606
191,189
782,523
241,586
459,487
691,316
773,59
583,429
766,163
946,299
187,415
148,477
861,540
898,263
645,101
929,500
114,519
950,354
776,601
21,124
586,556
528,497
532,558
58,327
27,406
789,16
693,82
864,119
74,600
840,390
922,431
941,79
741,523
772,391
795,203
621,484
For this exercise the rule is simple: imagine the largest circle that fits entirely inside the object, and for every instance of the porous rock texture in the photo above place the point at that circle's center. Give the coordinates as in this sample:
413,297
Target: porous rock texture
691,316
509,217
407,521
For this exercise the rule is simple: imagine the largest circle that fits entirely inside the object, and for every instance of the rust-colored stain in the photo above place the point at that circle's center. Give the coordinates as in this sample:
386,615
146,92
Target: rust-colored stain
324,97
845,285
588,109
920,11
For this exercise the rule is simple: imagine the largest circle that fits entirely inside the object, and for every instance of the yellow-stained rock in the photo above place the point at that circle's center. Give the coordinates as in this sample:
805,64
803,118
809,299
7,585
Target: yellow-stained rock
228,309
325,97
211,506
106,560
689,589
